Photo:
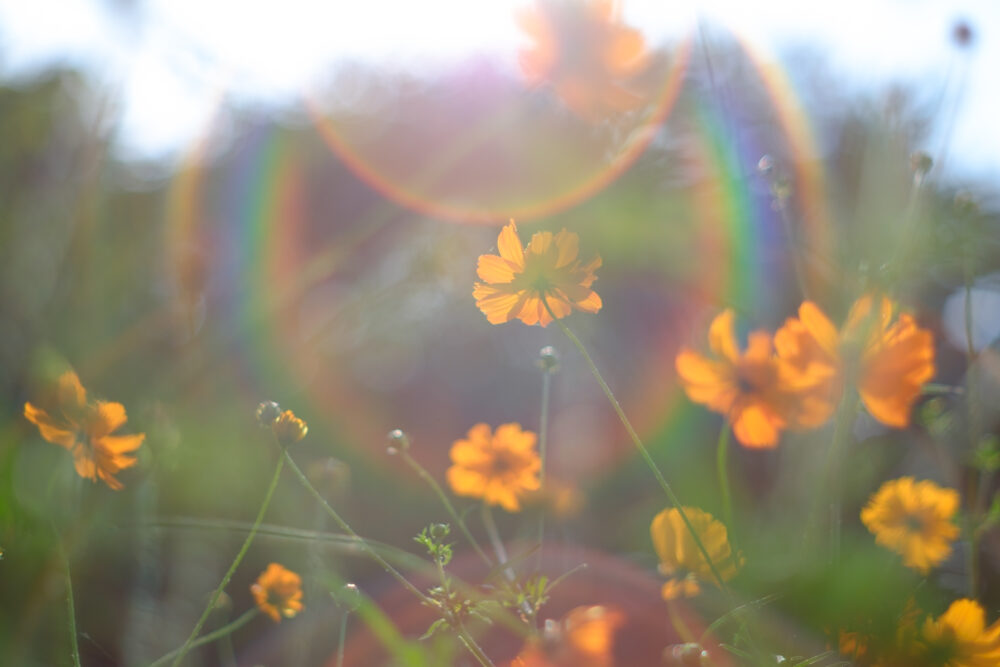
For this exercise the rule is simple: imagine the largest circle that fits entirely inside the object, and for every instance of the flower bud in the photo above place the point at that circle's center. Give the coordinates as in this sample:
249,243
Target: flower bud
961,34
686,655
267,413
348,597
548,359
398,441
920,163
289,429
765,165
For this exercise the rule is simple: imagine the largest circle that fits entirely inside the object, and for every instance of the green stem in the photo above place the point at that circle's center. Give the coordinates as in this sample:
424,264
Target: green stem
224,631
543,431
671,496
343,638
371,553
427,477
473,648
722,468
494,535
183,650
850,403
70,606
980,485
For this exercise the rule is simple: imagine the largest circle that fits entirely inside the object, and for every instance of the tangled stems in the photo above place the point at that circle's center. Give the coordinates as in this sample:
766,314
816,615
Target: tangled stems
212,636
426,476
671,496
189,643
463,634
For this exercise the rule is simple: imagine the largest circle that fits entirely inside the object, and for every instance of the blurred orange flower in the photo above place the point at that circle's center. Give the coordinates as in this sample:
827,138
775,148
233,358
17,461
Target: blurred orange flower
584,52
498,467
85,428
278,592
680,558
518,280
750,388
960,638
584,638
913,519
888,361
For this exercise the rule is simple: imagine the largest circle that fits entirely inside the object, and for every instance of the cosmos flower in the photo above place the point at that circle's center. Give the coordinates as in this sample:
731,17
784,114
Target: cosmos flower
887,359
516,282
85,428
914,519
584,52
680,558
753,389
960,638
278,592
584,638
499,467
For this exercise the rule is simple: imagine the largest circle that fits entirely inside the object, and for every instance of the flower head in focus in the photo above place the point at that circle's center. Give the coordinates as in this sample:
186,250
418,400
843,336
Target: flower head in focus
500,467
680,558
86,429
584,638
519,282
914,519
584,52
888,359
278,592
289,429
751,388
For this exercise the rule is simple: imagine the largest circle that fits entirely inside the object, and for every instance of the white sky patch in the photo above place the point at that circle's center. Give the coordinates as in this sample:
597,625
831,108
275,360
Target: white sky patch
173,60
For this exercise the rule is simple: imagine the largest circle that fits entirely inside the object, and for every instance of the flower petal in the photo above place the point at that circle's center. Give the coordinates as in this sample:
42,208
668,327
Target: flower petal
54,431
509,245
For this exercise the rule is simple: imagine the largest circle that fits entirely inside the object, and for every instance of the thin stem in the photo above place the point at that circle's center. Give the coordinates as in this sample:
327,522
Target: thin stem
371,553
722,469
978,497
850,403
494,535
70,606
343,638
224,631
671,496
473,648
543,432
183,650
427,477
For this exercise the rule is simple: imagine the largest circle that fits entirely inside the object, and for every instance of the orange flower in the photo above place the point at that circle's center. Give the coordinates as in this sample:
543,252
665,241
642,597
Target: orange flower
500,468
752,389
960,638
585,53
289,429
913,519
887,360
680,558
278,592
520,281
584,638
85,428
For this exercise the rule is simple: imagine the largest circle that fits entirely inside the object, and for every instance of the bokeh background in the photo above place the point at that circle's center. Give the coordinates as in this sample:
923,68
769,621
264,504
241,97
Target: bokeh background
204,209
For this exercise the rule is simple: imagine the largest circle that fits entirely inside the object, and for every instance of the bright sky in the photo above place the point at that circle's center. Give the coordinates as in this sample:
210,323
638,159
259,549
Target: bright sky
168,62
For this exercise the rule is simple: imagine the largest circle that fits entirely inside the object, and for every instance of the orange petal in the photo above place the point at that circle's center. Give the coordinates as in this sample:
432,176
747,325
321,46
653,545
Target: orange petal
721,338
108,417
120,444
568,245
71,393
493,269
821,328
50,429
509,245
756,426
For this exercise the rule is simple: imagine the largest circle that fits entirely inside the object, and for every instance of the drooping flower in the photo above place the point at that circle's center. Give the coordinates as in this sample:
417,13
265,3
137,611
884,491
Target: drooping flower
519,282
278,592
584,638
501,468
751,388
289,429
582,49
85,428
887,359
680,558
960,638
914,519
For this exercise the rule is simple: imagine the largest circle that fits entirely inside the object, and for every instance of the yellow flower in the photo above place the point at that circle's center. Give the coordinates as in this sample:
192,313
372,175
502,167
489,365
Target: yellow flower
518,280
500,468
680,558
960,638
278,592
584,638
752,388
288,428
85,428
888,360
585,53
913,519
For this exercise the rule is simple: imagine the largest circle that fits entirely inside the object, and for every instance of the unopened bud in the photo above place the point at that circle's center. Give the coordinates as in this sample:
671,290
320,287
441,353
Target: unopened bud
961,34
765,165
398,441
686,655
439,531
348,597
267,413
548,359
920,163
289,429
